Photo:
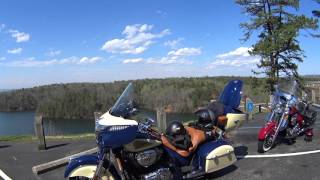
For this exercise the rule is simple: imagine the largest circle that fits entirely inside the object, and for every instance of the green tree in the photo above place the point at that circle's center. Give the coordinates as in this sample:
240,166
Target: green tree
316,13
277,25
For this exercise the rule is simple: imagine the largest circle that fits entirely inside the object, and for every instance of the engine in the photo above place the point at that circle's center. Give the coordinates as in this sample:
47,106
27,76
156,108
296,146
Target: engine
294,131
160,174
148,164
148,157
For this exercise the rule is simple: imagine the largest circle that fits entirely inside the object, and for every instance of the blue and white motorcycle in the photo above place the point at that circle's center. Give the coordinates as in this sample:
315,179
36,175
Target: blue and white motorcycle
137,150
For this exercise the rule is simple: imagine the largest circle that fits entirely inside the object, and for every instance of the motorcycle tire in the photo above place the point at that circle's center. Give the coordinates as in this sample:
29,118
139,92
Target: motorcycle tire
264,145
260,146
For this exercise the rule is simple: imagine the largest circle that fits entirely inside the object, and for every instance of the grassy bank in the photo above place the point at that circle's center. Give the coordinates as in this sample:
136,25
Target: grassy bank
34,138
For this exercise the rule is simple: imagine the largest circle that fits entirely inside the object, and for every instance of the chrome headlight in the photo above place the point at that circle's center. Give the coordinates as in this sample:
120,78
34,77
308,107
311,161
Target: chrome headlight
287,110
278,109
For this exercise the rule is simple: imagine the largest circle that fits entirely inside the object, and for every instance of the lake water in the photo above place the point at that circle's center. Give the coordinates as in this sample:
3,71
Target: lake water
17,123
22,123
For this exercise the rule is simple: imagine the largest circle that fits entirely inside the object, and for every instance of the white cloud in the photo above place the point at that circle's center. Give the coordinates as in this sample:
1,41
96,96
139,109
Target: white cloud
19,36
87,60
173,44
168,60
133,60
137,39
15,51
241,51
185,52
178,56
53,52
2,27
238,57
162,13
2,58
31,62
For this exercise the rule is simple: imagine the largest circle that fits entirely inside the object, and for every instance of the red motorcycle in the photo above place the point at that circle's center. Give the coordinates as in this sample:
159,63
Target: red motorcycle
290,117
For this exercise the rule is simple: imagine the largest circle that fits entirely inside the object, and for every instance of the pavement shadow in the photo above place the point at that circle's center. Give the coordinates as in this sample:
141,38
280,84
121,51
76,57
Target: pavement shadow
288,142
241,151
222,172
5,146
56,145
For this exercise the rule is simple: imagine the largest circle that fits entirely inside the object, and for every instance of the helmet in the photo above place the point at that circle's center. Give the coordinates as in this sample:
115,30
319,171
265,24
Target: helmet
205,115
175,128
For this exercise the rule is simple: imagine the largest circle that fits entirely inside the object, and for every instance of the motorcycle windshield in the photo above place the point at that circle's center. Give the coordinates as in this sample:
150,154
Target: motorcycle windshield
231,94
288,86
286,91
124,104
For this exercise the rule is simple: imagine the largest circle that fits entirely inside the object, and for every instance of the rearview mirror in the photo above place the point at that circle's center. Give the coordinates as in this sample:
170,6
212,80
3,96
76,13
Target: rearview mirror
150,121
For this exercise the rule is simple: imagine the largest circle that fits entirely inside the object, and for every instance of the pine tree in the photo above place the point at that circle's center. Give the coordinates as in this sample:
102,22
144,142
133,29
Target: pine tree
277,25
316,13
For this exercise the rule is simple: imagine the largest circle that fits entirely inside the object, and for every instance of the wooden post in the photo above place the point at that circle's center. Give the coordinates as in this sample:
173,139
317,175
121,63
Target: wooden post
303,93
97,115
260,110
318,99
39,130
313,96
161,119
270,99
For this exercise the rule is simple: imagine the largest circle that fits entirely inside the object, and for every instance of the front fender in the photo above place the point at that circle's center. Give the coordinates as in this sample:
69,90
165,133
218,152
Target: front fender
268,128
81,161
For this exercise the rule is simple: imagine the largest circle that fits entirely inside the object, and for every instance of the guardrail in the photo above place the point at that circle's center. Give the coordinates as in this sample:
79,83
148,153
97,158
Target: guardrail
265,106
260,106
316,105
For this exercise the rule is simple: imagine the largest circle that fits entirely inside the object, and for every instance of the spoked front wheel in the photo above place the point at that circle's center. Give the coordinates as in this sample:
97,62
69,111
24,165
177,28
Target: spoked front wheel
266,144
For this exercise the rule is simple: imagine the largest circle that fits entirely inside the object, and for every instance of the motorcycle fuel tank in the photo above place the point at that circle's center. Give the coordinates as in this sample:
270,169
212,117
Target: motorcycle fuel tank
138,145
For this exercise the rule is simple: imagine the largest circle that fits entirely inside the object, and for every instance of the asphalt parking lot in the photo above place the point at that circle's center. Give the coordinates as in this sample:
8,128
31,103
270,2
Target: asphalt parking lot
18,158
292,166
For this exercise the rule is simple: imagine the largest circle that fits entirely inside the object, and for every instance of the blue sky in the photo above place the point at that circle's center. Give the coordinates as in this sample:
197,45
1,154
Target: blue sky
45,42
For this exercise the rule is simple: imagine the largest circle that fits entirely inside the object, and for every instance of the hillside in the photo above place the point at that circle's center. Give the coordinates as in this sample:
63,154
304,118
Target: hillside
4,90
80,100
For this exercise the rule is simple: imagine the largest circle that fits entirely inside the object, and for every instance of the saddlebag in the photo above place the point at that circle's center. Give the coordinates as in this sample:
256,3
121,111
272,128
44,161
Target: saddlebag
235,120
310,117
217,155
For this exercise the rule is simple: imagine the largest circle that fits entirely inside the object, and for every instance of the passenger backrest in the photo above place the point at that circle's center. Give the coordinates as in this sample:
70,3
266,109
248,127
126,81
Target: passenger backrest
231,95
